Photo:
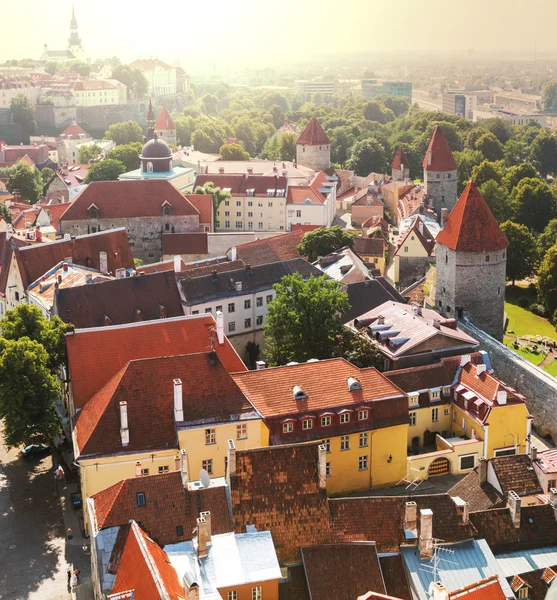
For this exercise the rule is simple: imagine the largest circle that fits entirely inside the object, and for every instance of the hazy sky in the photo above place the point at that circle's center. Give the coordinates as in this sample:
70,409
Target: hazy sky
255,31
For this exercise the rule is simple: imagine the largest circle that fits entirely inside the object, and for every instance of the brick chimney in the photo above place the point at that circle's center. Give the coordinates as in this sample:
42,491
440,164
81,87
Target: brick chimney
425,541
534,453
231,461
207,516
177,264
103,262
138,469
514,503
322,466
220,327
260,365
184,468
178,401
482,470
124,431
463,509
437,591
202,537
411,518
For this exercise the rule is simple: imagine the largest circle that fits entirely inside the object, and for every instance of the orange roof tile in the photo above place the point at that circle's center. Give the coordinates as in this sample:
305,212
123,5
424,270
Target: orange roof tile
204,204
485,589
438,156
313,134
165,122
400,159
96,355
75,131
471,226
269,250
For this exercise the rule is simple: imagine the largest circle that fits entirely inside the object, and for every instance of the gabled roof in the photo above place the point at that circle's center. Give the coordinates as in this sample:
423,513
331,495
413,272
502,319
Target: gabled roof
313,134
537,581
270,250
96,355
367,295
485,589
480,496
142,568
34,261
185,243
422,233
471,226
369,246
139,298
165,122
6,257
204,204
128,199
54,212
149,64
400,159
75,131
167,505
209,394
335,571
516,473
438,156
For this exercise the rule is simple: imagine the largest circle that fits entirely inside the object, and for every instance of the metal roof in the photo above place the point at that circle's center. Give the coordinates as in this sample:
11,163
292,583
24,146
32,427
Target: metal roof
525,561
470,561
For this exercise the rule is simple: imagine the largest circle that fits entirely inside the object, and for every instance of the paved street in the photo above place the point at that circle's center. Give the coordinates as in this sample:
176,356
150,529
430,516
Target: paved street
33,554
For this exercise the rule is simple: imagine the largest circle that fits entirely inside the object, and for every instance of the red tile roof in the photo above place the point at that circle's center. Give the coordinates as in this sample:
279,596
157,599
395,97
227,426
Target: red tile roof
299,194
34,261
324,383
75,131
167,505
96,355
516,473
369,246
400,158
480,496
6,258
128,199
204,204
240,184
438,156
55,211
485,589
313,134
269,250
471,226
165,122
143,568
209,393
425,237
304,228
324,564
175,244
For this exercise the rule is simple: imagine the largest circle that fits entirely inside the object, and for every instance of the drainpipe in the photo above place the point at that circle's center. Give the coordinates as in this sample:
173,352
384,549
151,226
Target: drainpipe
486,436
529,436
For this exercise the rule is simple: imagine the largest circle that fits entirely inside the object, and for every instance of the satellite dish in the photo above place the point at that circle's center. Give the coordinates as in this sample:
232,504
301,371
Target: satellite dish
204,478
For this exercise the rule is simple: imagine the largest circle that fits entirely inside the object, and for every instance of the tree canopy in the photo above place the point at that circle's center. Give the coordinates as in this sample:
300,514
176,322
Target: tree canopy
367,156
27,182
217,194
549,96
534,204
124,133
23,116
323,241
134,79
547,280
233,152
87,153
521,252
127,154
107,169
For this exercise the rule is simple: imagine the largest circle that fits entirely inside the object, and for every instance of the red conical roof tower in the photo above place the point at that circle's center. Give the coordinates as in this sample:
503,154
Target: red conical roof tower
313,134
400,159
439,156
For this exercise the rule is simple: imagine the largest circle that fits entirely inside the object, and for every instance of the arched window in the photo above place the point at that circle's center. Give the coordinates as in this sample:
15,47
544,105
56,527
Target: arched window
149,167
167,227
166,210
93,213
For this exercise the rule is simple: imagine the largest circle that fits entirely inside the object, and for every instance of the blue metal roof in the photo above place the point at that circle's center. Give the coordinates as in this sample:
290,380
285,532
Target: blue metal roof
468,563
525,561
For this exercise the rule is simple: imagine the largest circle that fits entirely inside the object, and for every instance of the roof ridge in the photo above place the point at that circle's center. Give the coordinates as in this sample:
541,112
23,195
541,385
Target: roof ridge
149,560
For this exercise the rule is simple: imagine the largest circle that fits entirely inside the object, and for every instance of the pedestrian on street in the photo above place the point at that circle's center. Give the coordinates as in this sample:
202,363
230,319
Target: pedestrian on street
76,573
74,581
69,578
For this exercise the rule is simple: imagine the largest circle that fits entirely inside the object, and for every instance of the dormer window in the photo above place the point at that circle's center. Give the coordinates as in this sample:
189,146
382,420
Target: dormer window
307,424
345,417
413,399
298,393
363,415
166,210
288,427
353,384
141,500
434,394
93,212
325,421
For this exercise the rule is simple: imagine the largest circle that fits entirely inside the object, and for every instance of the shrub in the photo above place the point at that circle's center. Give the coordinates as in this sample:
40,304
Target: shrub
524,302
554,318
533,287
538,309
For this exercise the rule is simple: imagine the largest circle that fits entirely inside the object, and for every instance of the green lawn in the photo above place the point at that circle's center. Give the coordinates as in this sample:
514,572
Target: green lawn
552,368
521,320
535,359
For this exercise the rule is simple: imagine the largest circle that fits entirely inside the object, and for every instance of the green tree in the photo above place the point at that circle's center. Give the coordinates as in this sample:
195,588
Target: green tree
28,392
87,153
375,111
276,98
342,139
497,198
303,320
107,169
5,213
487,171
124,133
83,69
502,130
516,152
201,141
323,241
543,153
514,175
490,147
47,175
27,182
23,116
547,280
287,146
358,351
534,204
521,253
133,79
217,194
466,161
547,239
233,152
276,114
210,103
399,106
244,132
51,68
367,156
549,96
127,154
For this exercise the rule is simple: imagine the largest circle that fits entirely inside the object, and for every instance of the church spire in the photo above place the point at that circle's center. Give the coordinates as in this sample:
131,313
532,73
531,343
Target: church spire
150,122
74,40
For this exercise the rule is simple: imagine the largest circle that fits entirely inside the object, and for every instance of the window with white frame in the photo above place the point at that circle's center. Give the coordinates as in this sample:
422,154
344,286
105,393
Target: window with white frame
257,593
327,469
307,424
233,595
467,462
288,427
325,421
163,469
231,307
413,419
207,465
362,463
345,417
364,437
510,451
434,415
144,472
210,437
363,415
413,399
242,431
344,442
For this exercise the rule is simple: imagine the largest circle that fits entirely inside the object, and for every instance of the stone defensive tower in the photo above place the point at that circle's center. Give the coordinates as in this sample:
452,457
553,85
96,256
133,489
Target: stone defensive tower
313,148
400,167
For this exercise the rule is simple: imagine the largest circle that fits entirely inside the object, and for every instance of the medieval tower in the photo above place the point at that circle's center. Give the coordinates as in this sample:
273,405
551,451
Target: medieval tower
400,167
313,148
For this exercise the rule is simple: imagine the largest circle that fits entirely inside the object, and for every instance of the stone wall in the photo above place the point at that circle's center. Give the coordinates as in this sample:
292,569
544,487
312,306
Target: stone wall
54,117
314,157
412,269
442,189
539,388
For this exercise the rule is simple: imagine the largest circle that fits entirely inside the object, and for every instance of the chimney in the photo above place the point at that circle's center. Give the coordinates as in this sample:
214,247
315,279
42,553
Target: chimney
553,497
103,262
482,470
201,537
381,320
534,453
514,502
231,461
260,365
124,431
138,469
411,517
89,278
178,401
120,273
437,591
463,509
207,516
221,170
184,468
322,466
233,253
220,327
465,359
177,264
481,368
191,587
421,227
238,286
502,397
65,267
437,323
425,541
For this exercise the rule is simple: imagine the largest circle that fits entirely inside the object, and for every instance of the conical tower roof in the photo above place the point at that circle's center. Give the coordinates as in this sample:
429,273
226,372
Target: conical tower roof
313,134
439,156
165,122
400,159
471,226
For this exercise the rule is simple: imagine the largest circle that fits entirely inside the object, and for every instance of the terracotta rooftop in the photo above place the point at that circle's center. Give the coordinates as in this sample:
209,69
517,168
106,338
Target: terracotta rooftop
129,199
538,527
438,156
471,226
204,204
142,568
75,131
296,586
34,261
96,355
175,244
335,571
420,231
6,257
126,300
480,496
485,589
150,64
400,159
381,518
165,122
516,473
167,508
313,134
537,582
547,460
269,250
277,489
209,394
392,567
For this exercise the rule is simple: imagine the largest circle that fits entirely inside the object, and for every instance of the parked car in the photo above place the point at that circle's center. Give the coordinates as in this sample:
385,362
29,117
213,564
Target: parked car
34,450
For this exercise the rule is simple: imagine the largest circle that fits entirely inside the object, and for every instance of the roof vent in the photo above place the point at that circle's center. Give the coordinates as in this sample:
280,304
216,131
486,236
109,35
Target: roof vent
480,369
298,393
353,384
